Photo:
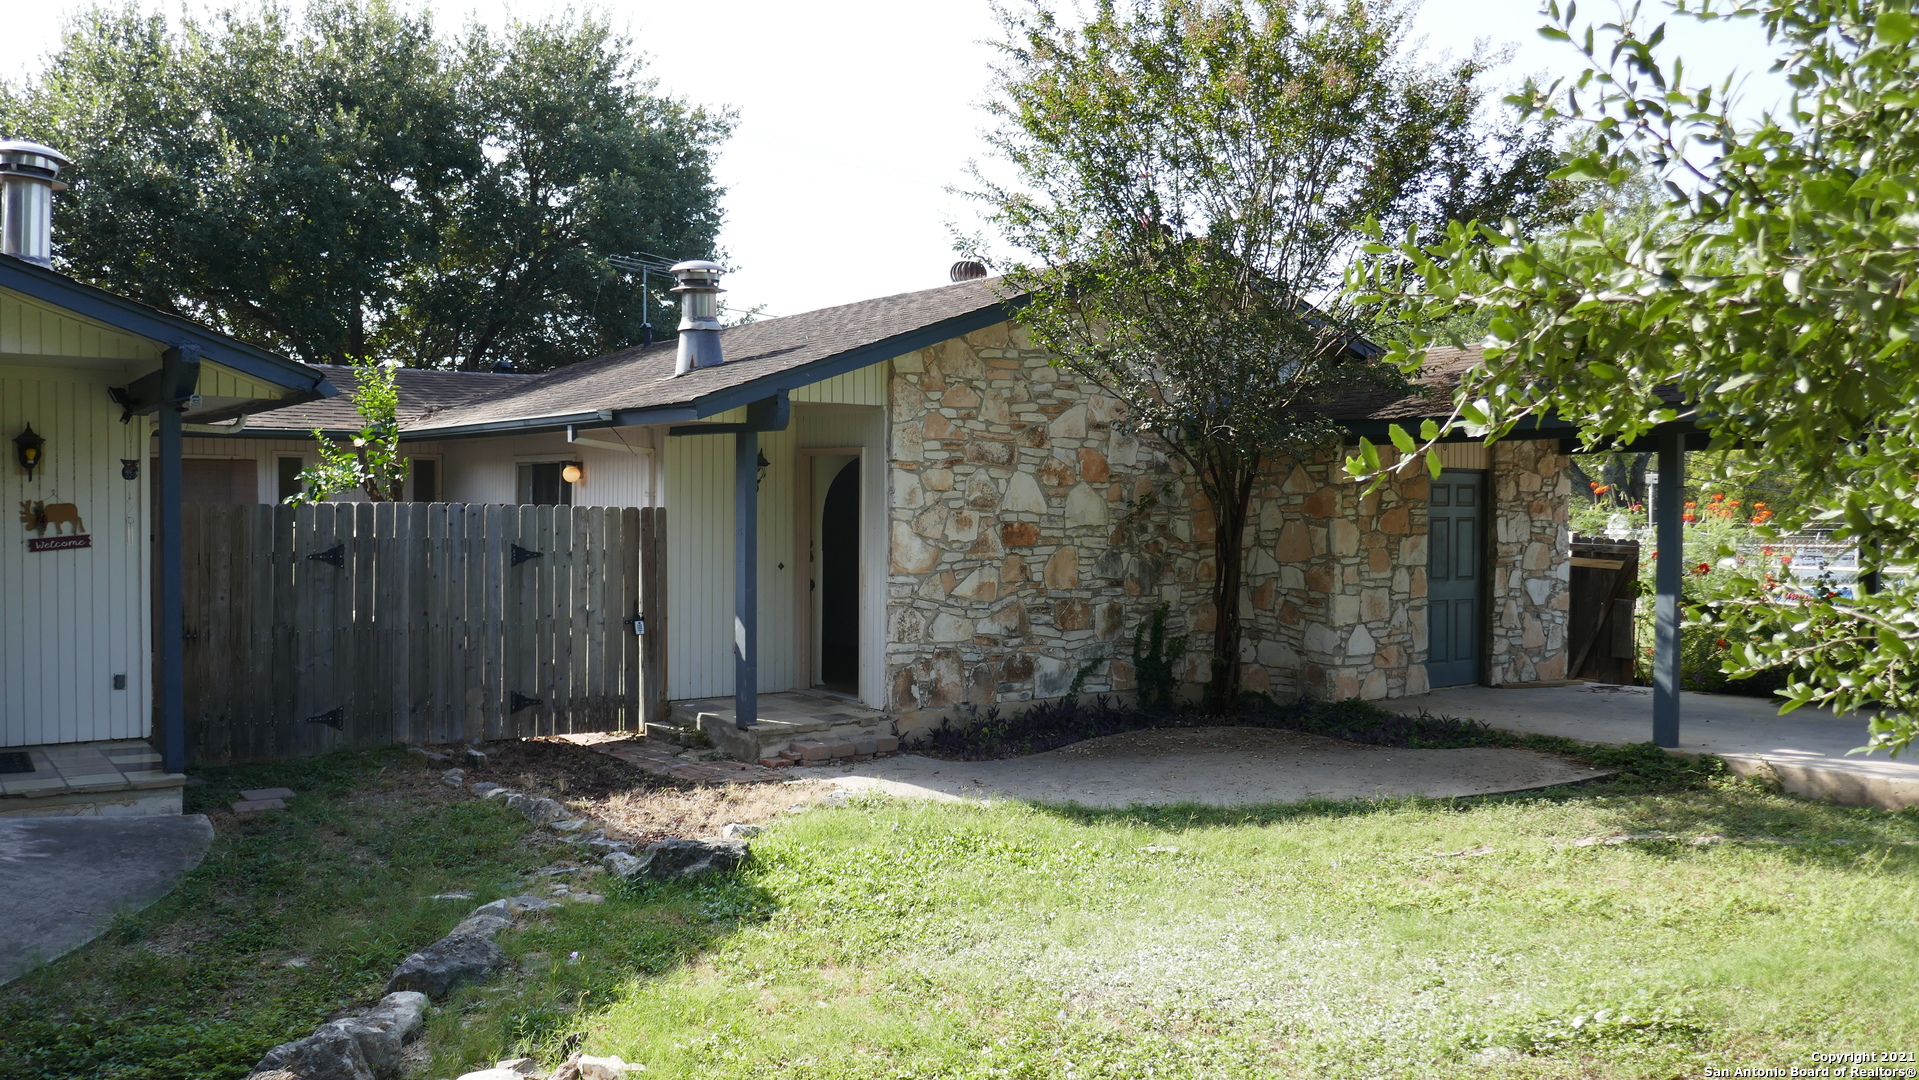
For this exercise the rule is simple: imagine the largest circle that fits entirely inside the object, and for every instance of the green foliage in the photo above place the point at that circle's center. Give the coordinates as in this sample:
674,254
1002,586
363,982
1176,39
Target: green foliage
372,463
197,987
1156,660
1395,938
1771,293
1189,182
349,182
1084,673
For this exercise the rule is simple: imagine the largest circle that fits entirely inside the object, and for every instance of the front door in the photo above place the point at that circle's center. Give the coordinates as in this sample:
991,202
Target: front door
1455,568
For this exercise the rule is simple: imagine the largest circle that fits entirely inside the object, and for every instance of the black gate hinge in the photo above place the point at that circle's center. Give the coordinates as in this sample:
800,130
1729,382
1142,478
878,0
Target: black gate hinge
521,554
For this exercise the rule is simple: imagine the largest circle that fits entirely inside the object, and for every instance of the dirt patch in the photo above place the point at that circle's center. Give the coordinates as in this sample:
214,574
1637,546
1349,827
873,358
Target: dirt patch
701,811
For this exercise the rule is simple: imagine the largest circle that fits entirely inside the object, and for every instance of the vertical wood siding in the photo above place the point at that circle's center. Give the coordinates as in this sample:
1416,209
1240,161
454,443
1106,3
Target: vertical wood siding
71,620
31,328
698,475
1464,455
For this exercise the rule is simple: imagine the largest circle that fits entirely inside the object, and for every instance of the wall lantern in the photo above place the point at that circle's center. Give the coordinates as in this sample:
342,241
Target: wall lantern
27,446
573,472
759,481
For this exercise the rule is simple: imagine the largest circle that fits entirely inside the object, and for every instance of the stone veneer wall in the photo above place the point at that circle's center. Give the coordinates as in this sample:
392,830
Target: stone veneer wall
1030,534
1531,562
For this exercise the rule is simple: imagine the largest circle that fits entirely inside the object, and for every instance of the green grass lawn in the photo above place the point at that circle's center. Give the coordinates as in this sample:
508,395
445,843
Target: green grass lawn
890,939
293,917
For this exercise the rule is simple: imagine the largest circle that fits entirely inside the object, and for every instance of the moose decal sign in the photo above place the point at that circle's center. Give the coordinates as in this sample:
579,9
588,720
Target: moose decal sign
40,516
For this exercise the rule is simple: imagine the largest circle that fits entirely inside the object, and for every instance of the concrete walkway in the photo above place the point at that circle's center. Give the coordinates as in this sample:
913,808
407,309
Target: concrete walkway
1807,750
1233,766
66,877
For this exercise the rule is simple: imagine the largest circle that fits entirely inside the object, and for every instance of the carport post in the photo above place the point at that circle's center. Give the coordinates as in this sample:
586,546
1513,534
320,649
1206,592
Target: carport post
172,621
746,578
1669,568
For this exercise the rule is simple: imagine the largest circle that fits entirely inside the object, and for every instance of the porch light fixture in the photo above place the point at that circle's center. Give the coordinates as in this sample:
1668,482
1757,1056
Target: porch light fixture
573,472
759,480
27,446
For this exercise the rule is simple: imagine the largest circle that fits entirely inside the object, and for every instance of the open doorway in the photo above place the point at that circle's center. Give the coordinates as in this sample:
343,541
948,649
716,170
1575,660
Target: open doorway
836,568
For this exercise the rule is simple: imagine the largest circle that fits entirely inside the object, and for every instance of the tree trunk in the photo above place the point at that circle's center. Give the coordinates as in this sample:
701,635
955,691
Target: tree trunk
1230,510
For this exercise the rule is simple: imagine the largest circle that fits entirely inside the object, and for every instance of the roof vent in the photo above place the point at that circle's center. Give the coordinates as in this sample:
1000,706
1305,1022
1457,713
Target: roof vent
967,270
29,175
699,290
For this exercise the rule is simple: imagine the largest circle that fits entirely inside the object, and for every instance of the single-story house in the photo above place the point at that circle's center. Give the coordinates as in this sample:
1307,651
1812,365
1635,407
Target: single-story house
94,392
944,516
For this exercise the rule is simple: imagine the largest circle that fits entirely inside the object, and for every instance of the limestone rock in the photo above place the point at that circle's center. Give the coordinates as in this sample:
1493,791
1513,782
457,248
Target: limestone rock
1062,569
1084,506
448,963
670,860
621,865
1023,495
737,831
543,811
365,1047
495,1073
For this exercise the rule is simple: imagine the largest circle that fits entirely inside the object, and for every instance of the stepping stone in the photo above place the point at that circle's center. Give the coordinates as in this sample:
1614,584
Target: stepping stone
264,794
254,806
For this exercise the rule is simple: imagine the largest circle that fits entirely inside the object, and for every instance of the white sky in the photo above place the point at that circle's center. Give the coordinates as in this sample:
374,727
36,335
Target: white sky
856,114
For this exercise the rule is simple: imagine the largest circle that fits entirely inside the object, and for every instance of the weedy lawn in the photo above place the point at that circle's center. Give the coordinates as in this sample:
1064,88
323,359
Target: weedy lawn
1500,936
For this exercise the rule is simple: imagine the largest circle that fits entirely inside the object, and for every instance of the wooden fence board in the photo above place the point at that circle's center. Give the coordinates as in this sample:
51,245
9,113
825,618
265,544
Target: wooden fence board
426,632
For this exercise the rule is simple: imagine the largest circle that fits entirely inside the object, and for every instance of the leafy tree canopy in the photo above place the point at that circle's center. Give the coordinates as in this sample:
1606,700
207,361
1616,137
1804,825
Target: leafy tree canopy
1774,291
1189,179
350,182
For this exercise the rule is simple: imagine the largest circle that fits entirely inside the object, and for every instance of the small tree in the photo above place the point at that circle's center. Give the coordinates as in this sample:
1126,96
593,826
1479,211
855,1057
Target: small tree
372,462
1774,293
1192,177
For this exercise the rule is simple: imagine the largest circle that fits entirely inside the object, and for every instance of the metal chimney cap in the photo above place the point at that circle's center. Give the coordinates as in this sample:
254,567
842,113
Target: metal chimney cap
967,270
697,275
17,154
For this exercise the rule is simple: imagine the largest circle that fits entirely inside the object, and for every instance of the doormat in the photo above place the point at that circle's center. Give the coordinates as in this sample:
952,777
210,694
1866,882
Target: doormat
15,761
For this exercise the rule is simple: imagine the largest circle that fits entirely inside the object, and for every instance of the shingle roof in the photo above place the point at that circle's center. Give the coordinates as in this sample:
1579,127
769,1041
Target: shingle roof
1433,396
759,356
423,394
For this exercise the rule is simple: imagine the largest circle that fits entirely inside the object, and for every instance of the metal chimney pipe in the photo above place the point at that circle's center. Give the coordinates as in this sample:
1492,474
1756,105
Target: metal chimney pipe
699,290
29,175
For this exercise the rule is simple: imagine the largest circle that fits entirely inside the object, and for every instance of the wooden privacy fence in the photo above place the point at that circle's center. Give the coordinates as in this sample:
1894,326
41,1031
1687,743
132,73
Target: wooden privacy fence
315,628
1605,576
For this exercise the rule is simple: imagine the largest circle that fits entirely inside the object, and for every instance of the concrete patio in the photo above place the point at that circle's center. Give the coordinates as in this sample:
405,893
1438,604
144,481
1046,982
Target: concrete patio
67,877
1806,751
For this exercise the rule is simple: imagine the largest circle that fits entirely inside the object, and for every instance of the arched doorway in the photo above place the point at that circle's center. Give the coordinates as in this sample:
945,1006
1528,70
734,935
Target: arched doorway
839,582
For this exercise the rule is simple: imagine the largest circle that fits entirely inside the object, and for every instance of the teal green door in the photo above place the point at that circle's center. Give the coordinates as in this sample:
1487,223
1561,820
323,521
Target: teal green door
1455,572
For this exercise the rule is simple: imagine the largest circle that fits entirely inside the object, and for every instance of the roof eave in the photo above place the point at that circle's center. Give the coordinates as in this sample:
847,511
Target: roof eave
137,318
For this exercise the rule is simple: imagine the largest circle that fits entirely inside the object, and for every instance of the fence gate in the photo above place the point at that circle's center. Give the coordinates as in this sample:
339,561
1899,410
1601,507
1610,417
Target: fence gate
1604,587
315,628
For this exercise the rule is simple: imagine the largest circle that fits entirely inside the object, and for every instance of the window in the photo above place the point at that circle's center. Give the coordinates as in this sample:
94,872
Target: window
542,485
426,480
287,470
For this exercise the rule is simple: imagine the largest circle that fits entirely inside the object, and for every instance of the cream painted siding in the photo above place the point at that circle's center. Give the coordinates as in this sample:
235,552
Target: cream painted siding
1464,455
72,620
862,386
30,328
699,496
486,470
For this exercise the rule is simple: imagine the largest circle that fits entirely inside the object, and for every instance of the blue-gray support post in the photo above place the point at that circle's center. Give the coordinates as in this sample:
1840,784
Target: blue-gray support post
746,577
172,628
1669,568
